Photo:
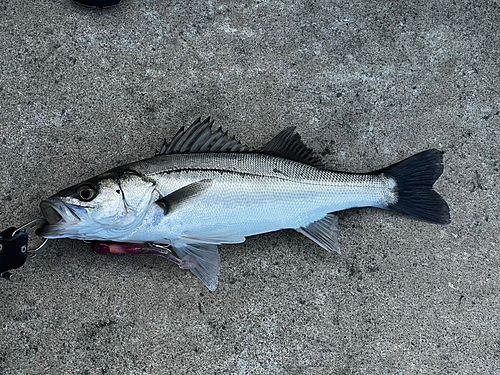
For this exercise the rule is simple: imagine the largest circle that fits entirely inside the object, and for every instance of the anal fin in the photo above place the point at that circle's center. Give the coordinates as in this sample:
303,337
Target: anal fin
323,232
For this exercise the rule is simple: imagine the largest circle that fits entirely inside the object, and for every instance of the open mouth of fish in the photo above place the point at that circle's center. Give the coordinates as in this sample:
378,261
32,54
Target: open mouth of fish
56,213
50,213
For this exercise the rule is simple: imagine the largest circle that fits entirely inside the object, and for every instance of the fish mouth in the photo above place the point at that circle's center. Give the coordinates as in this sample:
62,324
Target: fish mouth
50,213
58,214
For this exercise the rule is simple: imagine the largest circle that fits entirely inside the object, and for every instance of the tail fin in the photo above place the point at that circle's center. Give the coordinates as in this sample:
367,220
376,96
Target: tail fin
414,179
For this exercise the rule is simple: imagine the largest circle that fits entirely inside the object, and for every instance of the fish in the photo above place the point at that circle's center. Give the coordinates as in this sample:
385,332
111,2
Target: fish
205,188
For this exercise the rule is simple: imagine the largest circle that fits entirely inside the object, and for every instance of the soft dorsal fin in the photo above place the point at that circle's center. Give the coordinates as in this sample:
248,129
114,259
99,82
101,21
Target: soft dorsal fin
289,146
323,232
199,137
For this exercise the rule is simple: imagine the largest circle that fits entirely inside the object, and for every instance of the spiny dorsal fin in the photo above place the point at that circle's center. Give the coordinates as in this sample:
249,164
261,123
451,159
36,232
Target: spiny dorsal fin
199,137
323,232
289,146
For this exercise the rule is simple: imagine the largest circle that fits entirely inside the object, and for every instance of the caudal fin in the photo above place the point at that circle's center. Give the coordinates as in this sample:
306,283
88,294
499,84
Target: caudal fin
414,179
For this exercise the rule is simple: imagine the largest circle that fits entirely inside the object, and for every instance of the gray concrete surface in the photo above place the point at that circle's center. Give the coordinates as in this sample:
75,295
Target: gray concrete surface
366,83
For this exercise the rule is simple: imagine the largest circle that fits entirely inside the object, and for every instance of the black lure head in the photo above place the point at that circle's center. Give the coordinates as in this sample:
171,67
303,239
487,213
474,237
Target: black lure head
98,3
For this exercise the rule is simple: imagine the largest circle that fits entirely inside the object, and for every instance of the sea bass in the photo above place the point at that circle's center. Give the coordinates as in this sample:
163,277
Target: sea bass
205,188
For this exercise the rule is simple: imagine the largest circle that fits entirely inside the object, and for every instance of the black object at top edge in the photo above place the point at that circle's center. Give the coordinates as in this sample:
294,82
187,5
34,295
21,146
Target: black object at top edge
98,3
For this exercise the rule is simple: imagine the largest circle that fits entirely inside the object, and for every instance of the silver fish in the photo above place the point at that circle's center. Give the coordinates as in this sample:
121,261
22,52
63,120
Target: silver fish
205,188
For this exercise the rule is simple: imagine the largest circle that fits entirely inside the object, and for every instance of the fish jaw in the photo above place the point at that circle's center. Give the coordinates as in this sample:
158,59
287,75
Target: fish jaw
71,221
67,220
61,218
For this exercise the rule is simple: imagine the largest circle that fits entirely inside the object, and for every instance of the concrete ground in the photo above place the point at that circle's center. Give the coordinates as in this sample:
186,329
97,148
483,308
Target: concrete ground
366,83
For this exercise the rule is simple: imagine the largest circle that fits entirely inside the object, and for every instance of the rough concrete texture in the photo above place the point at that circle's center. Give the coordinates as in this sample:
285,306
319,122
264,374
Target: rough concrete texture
366,83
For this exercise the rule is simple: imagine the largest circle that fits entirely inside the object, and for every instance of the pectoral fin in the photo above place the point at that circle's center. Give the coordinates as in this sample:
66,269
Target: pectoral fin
206,259
173,200
323,232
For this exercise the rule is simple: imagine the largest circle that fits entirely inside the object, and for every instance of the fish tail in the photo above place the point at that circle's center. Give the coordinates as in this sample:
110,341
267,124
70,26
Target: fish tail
414,179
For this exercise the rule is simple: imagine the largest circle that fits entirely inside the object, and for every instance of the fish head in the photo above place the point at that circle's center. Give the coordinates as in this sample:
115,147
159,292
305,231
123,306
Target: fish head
107,207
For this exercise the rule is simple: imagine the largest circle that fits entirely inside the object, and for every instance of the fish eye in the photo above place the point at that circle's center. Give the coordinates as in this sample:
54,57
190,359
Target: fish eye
86,192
